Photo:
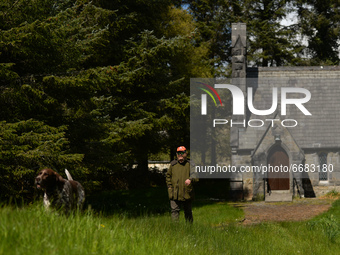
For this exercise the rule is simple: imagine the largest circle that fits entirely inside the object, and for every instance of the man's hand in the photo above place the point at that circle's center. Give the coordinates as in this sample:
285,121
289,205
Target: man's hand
187,182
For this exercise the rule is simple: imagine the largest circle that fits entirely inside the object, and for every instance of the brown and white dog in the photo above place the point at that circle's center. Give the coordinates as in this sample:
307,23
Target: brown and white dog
59,192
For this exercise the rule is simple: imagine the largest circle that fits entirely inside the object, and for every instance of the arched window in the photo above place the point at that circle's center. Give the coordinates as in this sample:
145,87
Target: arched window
323,175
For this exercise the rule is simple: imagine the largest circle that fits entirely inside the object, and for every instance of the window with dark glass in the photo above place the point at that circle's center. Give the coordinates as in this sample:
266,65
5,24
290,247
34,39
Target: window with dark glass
323,173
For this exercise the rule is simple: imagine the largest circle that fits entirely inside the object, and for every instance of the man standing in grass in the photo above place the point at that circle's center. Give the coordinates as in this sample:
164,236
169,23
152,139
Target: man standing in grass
180,179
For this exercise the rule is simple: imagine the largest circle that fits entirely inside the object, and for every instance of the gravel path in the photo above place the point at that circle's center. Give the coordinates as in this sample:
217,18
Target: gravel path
298,210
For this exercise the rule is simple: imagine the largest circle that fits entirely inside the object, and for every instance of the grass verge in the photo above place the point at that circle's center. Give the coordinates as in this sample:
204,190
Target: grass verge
216,230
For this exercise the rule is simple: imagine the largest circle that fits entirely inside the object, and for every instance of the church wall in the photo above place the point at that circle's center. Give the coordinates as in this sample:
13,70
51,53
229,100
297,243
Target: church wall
303,145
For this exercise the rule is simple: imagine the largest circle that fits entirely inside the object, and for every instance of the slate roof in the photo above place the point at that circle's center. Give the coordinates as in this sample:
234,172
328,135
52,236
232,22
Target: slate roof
322,128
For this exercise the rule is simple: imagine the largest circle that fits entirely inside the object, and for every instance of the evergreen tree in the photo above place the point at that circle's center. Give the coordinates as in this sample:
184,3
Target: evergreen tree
27,146
213,31
319,24
111,79
270,42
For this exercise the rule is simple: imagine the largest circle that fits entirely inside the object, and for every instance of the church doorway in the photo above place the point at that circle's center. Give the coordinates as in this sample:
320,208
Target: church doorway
278,159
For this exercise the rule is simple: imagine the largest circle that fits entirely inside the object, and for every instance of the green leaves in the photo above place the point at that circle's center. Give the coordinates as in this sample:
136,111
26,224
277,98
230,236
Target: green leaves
270,42
74,37
27,146
93,84
319,23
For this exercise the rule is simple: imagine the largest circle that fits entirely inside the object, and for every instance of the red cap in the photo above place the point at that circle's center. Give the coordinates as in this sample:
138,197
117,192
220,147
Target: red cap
181,148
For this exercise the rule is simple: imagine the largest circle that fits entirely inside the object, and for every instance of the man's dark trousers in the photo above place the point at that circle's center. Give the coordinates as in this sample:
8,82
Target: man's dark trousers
175,208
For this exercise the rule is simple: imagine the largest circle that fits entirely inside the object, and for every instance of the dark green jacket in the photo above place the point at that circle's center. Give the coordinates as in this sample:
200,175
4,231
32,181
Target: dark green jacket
175,179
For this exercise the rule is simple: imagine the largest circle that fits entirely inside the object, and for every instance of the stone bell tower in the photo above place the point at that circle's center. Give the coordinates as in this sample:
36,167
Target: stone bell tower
239,48
239,72
239,75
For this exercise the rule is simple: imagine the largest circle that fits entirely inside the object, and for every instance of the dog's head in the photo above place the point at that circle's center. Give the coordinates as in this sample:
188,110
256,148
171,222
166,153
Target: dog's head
47,179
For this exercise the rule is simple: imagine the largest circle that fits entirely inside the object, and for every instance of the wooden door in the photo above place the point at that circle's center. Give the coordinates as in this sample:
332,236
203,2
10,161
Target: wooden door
278,180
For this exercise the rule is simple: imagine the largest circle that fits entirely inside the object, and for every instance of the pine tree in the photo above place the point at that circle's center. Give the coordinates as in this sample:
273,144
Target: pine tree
270,42
213,31
26,147
319,24
112,77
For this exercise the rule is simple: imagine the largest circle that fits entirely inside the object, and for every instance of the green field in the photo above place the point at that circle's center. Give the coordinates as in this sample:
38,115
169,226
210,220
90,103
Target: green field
130,225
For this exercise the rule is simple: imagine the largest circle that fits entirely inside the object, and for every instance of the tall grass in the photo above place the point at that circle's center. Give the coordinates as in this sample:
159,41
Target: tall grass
216,230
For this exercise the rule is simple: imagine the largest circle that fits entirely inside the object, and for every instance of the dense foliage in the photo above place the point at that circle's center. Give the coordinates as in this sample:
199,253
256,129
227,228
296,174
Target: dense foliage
96,86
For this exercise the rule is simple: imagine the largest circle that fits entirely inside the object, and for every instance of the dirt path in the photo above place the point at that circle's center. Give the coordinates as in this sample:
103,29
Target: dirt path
298,210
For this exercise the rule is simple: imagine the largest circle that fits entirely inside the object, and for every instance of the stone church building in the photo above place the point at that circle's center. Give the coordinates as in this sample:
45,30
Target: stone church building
307,145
